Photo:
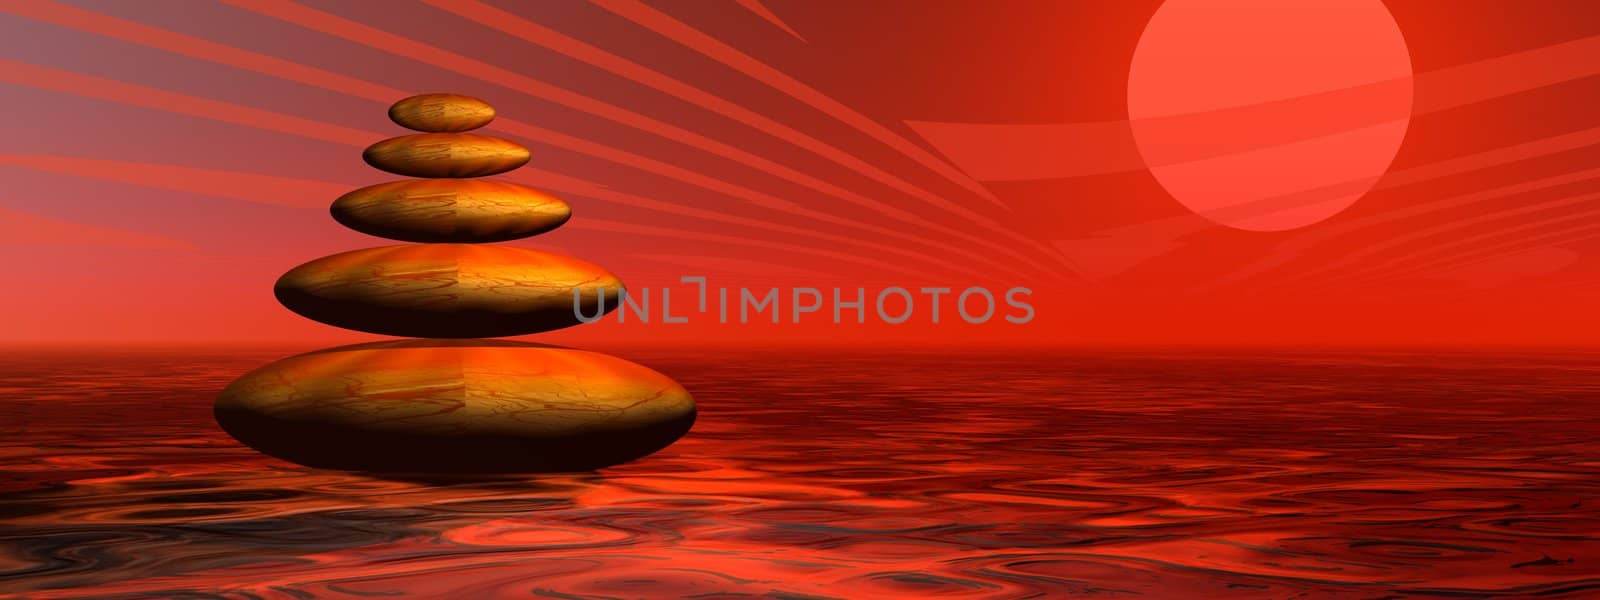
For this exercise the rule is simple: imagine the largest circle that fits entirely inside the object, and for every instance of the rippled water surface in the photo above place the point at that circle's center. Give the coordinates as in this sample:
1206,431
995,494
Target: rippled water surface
825,475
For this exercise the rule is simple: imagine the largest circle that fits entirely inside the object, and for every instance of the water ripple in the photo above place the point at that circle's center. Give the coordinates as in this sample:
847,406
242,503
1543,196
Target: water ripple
989,475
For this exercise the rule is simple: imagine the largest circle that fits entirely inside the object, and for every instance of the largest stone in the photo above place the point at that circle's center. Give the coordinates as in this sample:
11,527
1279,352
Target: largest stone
448,290
455,406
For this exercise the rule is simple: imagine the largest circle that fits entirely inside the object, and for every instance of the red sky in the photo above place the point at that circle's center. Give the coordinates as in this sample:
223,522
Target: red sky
165,162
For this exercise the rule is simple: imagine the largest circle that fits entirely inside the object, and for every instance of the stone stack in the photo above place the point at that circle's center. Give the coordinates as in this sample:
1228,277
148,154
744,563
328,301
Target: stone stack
452,403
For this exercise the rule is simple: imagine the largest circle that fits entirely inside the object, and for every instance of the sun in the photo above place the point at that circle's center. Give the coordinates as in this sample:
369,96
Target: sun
1268,115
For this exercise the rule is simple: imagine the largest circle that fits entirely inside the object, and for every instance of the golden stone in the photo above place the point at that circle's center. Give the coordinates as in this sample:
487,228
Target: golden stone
452,405
441,113
462,406
448,290
450,210
446,155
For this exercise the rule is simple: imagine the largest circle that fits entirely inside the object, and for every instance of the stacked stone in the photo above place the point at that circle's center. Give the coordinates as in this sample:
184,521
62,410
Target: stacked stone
452,403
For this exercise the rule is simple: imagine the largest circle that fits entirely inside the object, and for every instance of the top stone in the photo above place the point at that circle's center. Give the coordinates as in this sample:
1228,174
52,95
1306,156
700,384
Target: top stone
441,113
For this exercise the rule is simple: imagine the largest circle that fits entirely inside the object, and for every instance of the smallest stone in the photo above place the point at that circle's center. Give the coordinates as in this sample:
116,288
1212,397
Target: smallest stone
441,113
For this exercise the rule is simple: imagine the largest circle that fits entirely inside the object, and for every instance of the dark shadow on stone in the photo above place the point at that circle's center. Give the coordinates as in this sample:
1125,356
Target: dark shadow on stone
384,452
498,482
430,323
435,343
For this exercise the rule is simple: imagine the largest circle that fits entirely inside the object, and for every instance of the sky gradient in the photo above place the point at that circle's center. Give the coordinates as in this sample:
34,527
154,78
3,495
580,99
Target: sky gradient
165,162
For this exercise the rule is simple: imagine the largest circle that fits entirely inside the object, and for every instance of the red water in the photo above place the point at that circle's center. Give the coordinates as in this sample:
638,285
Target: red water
824,475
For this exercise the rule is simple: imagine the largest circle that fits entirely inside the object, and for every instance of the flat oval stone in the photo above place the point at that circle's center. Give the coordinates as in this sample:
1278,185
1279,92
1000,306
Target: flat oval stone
441,113
450,210
448,290
446,155
455,406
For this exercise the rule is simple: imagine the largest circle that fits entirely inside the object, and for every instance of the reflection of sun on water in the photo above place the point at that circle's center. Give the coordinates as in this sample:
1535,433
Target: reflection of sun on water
1269,115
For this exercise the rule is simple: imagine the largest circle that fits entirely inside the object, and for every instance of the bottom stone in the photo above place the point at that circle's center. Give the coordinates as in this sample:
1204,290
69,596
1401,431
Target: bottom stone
455,406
